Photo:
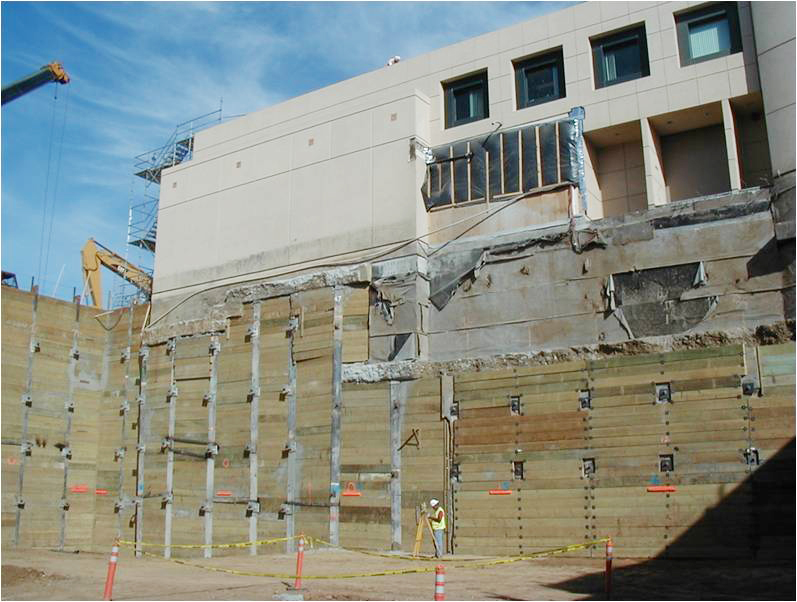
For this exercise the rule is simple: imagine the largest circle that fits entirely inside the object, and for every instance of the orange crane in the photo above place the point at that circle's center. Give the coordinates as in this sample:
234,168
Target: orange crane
95,255
52,72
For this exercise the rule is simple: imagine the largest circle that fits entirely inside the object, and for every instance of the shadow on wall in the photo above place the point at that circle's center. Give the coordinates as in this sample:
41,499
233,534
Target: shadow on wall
754,525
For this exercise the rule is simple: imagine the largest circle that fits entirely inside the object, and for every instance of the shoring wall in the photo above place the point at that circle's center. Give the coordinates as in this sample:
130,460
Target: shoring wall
262,389
720,505
53,381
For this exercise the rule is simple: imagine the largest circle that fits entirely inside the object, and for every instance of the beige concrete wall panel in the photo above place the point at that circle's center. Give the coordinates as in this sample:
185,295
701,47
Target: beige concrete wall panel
704,147
394,121
773,23
260,215
394,192
351,133
323,193
311,145
199,241
781,148
189,183
655,185
753,150
620,175
779,85
594,195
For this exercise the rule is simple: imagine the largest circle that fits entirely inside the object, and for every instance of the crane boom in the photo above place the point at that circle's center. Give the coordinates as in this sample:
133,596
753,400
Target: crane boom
53,72
94,255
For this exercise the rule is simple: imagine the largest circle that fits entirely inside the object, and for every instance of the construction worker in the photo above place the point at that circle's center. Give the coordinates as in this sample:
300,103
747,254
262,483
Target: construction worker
438,521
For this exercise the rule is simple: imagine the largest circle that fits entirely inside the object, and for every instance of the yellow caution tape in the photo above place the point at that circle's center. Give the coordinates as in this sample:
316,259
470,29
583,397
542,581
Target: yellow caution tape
293,576
469,565
241,544
494,560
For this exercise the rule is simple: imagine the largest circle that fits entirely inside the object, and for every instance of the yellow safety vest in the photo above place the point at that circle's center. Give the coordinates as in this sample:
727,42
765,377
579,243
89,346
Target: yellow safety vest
439,513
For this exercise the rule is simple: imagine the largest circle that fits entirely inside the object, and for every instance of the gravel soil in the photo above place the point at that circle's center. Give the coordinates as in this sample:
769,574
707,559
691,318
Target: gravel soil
49,575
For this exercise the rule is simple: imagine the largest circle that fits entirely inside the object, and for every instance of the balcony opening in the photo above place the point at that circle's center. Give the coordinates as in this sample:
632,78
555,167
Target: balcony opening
615,171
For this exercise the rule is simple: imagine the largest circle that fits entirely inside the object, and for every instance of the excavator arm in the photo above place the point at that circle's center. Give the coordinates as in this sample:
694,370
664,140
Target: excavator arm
54,72
95,255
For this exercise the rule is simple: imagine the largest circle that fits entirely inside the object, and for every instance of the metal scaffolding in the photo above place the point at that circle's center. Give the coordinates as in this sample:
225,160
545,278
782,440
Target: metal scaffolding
142,221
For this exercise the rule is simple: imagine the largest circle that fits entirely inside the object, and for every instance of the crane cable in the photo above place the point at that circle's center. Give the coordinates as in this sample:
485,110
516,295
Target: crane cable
55,185
47,187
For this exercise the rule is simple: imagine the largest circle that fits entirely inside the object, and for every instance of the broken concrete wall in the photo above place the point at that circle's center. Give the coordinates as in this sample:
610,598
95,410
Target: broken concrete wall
533,291
712,264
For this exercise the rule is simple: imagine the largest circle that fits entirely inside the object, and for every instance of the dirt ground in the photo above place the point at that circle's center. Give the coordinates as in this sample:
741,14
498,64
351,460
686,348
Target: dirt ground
48,575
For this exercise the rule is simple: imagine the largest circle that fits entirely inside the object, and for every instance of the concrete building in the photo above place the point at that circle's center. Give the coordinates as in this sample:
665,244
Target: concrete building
333,175
553,263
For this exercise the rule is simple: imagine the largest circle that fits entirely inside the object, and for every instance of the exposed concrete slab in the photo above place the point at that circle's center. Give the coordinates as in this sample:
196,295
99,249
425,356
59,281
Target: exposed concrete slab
769,334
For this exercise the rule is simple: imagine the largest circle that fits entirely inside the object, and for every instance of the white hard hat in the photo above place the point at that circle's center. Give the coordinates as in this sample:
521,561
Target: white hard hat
434,502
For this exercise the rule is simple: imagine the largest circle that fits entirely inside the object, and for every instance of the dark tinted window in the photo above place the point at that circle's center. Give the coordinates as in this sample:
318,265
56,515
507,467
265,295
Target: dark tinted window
620,57
708,33
540,79
466,99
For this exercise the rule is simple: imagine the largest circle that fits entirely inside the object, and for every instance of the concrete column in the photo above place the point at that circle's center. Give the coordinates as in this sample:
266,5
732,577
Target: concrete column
654,167
773,23
334,454
143,434
171,399
210,460
292,485
254,416
126,355
594,208
69,408
396,401
734,164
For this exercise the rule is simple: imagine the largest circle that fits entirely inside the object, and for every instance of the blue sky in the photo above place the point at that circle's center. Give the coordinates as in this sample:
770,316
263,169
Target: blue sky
139,69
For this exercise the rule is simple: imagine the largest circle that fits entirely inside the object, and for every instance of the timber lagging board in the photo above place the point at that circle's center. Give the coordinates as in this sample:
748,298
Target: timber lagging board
58,362
273,455
772,416
733,451
594,436
365,466
366,461
118,412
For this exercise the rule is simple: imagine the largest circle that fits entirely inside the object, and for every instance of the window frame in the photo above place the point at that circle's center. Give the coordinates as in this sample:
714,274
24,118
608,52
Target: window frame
554,57
450,87
635,32
704,13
